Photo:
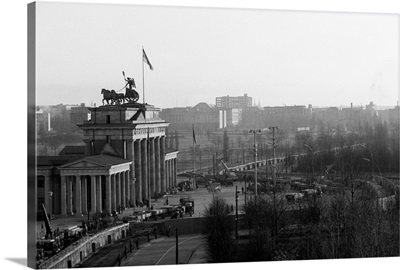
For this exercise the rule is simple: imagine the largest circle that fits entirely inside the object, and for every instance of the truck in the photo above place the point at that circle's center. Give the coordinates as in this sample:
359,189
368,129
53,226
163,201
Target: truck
49,245
226,177
188,203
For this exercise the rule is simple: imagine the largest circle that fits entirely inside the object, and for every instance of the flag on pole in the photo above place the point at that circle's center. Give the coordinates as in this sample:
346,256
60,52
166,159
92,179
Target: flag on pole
146,60
148,168
194,136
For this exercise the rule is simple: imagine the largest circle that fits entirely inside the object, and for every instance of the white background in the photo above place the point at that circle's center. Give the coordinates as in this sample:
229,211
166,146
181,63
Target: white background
13,192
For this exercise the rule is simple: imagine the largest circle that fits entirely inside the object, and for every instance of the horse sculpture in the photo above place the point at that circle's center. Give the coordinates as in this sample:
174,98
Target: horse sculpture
121,97
114,97
130,96
107,96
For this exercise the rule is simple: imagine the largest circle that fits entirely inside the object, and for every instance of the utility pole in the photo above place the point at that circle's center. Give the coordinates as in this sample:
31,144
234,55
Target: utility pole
255,131
273,153
177,249
266,162
236,218
312,157
245,194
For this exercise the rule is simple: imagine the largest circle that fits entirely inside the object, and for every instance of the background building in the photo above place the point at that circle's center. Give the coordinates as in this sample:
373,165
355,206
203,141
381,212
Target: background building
233,102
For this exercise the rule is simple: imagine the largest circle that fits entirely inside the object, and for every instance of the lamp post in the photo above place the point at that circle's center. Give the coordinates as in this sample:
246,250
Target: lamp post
245,194
50,203
312,157
273,152
236,217
255,131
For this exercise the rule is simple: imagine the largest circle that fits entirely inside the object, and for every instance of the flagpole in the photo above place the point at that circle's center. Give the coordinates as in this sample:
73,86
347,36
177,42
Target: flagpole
148,167
194,159
143,74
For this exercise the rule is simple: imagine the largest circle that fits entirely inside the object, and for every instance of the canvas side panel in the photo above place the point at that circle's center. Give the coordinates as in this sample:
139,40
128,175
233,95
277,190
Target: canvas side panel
31,117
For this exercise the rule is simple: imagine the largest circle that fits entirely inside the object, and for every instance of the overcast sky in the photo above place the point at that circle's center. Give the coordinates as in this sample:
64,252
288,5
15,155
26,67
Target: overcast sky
276,57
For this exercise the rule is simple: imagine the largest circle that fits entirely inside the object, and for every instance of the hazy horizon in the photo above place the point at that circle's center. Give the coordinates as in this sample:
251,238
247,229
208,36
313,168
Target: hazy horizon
278,58
379,107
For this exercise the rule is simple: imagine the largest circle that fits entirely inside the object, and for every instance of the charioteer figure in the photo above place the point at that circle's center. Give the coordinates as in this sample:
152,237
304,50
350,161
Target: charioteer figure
130,94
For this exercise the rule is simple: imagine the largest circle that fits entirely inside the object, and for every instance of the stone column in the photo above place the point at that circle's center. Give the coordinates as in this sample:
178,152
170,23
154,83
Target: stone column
157,164
128,188
152,168
171,170
99,199
93,193
117,190
108,193
78,195
84,195
162,163
131,174
123,190
138,173
174,172
63,195
144,168
70,197
166,175
113,193
171,173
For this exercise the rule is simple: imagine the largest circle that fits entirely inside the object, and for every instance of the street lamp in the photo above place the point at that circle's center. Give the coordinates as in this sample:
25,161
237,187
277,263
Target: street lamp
236,217
312,157
255,131
273,152
50,203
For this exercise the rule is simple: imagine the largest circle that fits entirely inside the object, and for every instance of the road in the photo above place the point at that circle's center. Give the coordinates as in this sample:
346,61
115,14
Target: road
202,197
161,251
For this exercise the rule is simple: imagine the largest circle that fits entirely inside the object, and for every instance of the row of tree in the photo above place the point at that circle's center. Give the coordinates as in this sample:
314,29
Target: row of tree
359,219
316,228
369,148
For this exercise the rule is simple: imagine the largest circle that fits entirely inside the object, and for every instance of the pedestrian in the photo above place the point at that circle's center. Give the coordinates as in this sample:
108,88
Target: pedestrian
119,260
155,231
130,246
167,231
137,242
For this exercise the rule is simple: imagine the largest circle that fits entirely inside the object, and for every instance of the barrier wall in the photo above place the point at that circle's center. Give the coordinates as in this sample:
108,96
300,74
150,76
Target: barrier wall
193,225
78,251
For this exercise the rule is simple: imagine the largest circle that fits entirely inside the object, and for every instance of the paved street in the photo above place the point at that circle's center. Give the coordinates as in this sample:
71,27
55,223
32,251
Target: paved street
202,197
161,251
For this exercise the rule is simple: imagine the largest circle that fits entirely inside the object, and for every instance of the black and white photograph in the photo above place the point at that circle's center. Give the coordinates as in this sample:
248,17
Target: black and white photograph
165,135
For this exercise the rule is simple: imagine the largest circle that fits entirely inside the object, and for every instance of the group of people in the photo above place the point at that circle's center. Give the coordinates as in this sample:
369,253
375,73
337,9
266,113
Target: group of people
129,249
125,252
